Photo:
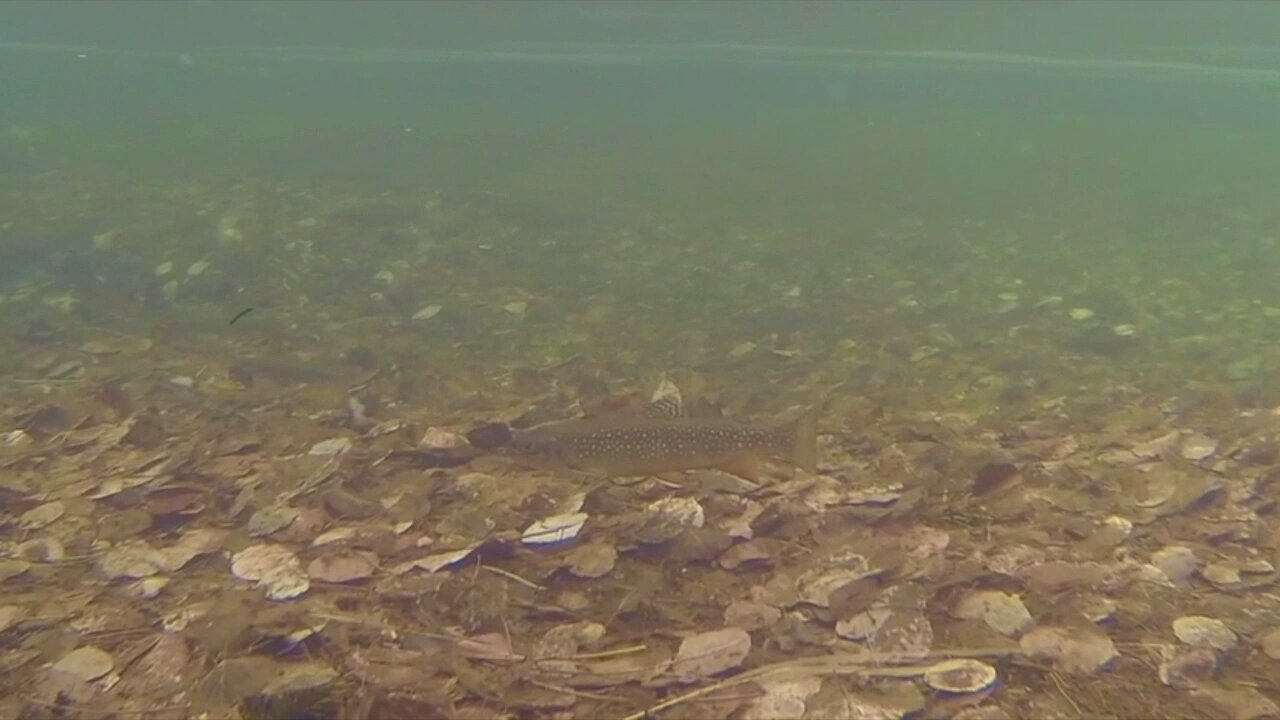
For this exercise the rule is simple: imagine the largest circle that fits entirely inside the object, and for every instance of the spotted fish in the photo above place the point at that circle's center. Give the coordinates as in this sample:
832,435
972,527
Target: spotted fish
660,441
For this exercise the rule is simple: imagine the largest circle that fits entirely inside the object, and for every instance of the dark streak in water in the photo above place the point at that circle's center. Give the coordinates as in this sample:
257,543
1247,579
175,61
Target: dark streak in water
240,314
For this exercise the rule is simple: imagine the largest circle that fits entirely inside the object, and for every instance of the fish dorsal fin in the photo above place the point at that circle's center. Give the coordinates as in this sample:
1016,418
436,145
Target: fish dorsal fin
664,407
666,401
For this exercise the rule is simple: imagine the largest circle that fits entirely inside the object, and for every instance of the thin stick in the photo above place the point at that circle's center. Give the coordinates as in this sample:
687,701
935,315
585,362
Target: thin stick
844,664
513,576
576,693
610,653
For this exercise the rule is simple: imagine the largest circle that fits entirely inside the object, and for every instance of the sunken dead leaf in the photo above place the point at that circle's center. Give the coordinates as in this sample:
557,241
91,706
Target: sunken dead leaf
784,697
1002,612
177,500
342,566
1197,446
592,560
84,664
330,448
131,559
271,519
428,312
273,567
710,653
1185,667
193,544
41,516
666,518
1201,631
1080,651
41,550
439,438
10,615
1270,643
491,647
555,649
437,561
13,568
298,690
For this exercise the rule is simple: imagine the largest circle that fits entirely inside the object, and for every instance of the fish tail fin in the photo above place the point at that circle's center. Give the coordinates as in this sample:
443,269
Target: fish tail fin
804,443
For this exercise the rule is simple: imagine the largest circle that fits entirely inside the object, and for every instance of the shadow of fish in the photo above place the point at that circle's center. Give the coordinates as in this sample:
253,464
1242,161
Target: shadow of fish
657,441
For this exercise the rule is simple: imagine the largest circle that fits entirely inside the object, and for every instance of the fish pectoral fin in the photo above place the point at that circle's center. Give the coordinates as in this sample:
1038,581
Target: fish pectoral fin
746,466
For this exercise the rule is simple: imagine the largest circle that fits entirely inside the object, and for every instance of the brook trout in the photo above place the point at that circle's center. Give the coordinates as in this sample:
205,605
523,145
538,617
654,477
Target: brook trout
651,444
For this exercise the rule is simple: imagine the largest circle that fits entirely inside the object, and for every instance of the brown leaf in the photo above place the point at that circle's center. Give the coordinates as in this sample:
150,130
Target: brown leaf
161,670
493,647
344,565
177,500
592,560
751,553
710,653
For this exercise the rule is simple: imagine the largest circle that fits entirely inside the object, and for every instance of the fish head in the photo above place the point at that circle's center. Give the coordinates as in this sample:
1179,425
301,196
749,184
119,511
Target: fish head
538,448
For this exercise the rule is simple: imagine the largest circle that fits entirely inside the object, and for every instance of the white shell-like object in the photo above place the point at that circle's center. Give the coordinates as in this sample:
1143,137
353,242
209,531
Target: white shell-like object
960,676
554,529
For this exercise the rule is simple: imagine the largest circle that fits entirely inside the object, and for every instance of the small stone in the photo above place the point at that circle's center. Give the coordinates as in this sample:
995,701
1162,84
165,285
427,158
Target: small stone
1080,313
1071,650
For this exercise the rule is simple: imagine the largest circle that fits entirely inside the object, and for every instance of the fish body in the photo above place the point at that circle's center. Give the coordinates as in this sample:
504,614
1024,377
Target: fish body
650,444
